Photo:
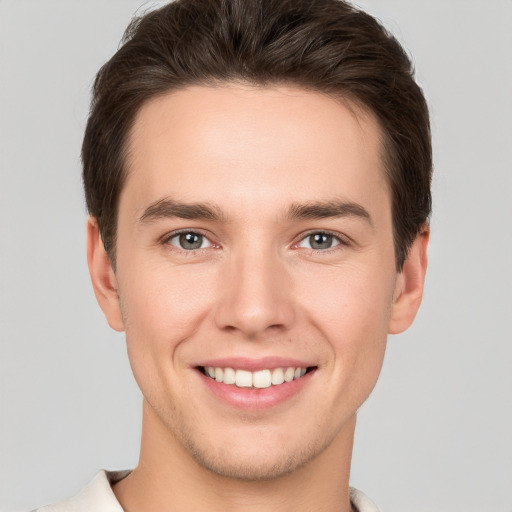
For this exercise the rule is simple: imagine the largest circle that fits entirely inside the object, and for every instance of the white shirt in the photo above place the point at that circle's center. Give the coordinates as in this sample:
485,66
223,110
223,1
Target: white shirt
98,496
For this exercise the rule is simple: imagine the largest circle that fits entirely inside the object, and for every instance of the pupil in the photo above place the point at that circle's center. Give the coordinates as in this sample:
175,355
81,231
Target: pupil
321,241
191,241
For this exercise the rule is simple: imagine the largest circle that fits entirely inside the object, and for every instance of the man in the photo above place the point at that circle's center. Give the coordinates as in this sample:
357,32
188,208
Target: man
257,174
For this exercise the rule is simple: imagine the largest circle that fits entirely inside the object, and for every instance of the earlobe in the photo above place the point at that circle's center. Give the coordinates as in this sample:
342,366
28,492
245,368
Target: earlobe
409,285
103,277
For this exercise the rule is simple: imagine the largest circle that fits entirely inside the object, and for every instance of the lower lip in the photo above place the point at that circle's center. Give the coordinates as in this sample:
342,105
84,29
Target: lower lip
255,399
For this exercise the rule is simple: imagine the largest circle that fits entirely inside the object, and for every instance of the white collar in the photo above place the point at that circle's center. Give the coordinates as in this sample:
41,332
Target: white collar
98,496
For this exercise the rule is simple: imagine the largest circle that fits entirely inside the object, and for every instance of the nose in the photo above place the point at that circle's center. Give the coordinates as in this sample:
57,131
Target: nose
256,297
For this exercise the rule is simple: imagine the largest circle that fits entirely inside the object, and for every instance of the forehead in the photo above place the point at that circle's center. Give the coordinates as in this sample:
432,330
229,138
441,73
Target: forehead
253,142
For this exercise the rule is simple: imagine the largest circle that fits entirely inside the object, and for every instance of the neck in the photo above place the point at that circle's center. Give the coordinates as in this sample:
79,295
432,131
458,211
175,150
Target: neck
169,478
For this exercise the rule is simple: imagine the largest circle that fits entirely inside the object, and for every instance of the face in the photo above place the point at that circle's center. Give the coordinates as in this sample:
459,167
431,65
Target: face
255,273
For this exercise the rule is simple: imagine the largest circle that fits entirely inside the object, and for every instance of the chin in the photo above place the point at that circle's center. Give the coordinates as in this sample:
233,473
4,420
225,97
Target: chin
254,460
249,469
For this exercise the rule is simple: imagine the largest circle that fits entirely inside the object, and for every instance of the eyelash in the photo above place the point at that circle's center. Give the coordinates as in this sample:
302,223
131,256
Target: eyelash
166,240
342,241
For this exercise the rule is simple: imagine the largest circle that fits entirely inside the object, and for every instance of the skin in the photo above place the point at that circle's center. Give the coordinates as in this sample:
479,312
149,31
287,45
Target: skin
256,288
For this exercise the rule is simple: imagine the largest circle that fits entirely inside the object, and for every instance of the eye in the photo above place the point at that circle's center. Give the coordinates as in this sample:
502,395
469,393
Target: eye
319,241
189,241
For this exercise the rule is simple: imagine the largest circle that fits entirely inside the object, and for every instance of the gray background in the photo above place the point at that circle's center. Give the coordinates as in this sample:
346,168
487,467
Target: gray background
436,435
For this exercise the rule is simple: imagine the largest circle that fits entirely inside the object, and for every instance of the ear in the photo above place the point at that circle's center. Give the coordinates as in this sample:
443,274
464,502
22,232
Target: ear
103,277
409,284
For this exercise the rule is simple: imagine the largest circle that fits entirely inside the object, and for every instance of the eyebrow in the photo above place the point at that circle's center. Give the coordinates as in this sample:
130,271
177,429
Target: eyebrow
166,208
328,209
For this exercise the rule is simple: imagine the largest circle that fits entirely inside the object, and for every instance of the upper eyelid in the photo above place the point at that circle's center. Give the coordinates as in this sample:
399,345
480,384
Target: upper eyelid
172,234
344,239
165,241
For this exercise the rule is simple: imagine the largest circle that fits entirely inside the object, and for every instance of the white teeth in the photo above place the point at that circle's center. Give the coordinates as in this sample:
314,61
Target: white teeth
243,379
277,376
260,379
229,376
289,374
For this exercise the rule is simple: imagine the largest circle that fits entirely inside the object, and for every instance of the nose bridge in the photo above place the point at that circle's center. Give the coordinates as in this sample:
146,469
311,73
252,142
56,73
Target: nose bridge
256,296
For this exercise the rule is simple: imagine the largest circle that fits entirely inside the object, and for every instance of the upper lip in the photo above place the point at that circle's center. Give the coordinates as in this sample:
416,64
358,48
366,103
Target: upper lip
255,364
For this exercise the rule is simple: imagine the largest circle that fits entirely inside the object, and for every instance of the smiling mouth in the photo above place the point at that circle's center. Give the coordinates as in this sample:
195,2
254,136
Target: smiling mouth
260,379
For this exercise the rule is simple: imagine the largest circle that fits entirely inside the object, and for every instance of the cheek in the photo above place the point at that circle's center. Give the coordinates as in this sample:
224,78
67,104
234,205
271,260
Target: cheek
165,301
352,311
348,298
162,309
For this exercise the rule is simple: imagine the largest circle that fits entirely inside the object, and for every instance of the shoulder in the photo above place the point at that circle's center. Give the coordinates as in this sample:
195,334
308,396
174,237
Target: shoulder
361,503
97,496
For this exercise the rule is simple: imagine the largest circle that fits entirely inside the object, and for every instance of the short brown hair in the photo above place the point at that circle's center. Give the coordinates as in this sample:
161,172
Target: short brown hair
324,45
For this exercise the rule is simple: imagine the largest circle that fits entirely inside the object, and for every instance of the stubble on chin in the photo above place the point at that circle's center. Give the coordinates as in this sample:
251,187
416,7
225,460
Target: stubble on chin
239,465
